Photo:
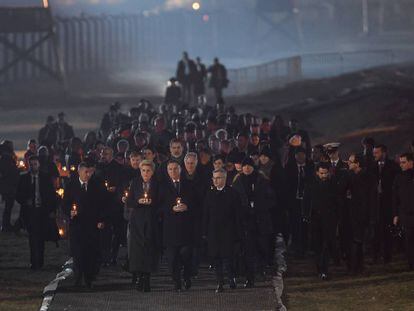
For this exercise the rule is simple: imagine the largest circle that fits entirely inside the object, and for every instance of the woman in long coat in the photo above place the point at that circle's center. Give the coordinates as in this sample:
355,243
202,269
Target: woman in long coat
143,235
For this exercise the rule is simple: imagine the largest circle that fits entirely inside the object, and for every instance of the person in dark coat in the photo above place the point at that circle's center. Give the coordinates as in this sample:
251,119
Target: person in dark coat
257,202
186,69
297,174
218,78
9,178
200,76
177,203
321,207
172,93
338,172
221,226
36,195
360,197
403,204
191,173
48,133
143,236
85,202
114,233
64,132
385,171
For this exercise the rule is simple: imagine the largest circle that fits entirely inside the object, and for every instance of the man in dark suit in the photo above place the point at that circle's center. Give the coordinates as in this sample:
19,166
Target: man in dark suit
338,172
297,175
201,185
218,79
114,234
221,226
185,75
360,197
320,206
177,202
48,133
85,201
200,76
403,204
36,195
385,171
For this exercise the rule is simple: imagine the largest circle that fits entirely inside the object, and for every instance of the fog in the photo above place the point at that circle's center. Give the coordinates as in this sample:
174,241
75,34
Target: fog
241,32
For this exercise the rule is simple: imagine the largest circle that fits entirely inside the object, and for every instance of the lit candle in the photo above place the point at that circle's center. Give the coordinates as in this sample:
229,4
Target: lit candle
126,193
61,232
74,207
60,192
64,168
178,201
145,195
72,168
21,164
106,184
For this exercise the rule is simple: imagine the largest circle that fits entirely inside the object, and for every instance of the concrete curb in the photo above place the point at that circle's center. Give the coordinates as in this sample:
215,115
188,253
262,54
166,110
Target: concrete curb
50,289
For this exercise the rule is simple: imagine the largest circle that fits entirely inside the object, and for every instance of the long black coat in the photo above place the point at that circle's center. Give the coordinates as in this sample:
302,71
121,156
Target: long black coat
403,198
178,228
114,174
200,185
221,221
384,203
321,203
182,77
9,175
291,180
257,219
37,220
360,200
83,231
143,230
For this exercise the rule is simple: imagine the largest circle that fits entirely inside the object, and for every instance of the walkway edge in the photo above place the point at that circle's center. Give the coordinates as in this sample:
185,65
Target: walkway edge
50,289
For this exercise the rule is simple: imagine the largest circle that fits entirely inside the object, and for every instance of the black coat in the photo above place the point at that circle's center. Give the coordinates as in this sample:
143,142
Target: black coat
38,220
200,185
83,231
321,204
221,221
360,201
256,219
218,76
114,174
182,77
403,198
291,180
178,228
384,199
9,175
144,241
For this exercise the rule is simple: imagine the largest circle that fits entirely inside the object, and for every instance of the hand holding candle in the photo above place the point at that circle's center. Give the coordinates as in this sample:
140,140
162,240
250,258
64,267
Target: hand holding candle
145,200
74,211
125,196
180,206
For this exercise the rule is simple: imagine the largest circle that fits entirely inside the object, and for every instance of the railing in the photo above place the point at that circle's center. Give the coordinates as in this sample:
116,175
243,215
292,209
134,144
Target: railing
309,66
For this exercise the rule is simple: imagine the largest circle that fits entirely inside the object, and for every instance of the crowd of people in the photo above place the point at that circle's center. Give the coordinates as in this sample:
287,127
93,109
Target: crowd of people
195,183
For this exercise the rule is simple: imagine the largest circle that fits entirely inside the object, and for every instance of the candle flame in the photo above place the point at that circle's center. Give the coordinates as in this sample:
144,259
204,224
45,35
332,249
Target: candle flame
74,207
61,232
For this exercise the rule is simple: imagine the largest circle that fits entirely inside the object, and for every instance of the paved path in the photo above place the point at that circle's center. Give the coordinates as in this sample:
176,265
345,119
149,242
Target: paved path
113,291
